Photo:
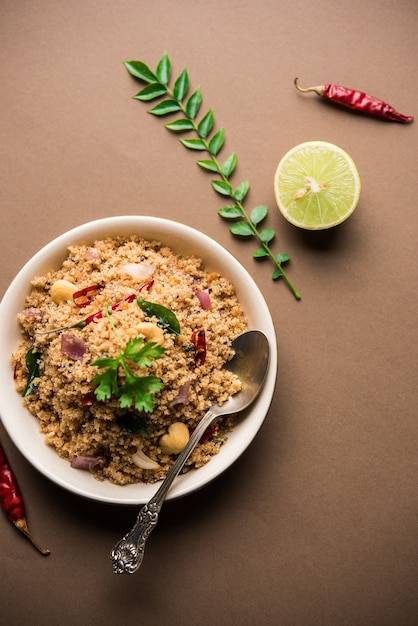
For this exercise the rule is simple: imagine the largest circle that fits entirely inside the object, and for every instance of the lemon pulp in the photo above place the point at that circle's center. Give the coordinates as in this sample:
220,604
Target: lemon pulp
316,185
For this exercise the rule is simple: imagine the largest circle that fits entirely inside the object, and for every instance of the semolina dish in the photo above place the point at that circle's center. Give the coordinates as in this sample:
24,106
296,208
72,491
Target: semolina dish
122,353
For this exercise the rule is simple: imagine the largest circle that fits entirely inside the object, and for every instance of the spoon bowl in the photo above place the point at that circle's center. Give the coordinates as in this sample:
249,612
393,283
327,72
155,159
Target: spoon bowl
250,363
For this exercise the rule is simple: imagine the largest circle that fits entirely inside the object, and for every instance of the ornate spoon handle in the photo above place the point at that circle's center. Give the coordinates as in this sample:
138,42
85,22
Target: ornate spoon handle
128,553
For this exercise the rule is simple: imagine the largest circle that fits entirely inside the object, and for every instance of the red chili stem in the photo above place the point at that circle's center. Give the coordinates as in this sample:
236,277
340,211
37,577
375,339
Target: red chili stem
12,502
319,89
357,100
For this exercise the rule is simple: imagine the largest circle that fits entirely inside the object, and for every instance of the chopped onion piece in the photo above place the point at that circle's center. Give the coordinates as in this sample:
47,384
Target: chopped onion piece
182,394
86,462
32,313
204,299
142,460
73,347
92,254
139,270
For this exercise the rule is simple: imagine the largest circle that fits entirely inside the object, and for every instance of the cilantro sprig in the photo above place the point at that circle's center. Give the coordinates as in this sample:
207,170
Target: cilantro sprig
135,390
177,101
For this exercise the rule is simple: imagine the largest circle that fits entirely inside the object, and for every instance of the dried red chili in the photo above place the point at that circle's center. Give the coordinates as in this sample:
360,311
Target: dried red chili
209,432
131,298
357,100
198,340
85,296
11,501
99,314
95,317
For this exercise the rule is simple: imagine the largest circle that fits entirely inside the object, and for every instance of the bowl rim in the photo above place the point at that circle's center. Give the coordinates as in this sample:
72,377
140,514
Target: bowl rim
183,239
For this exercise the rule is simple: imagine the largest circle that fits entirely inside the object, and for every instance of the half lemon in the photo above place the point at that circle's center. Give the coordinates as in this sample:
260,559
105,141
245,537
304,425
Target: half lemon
316,185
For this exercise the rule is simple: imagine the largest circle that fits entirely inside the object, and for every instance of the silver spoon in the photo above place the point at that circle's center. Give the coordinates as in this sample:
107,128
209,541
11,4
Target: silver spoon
250,364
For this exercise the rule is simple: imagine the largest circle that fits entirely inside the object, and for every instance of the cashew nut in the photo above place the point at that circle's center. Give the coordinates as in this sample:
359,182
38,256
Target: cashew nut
151,332
62,290
176,438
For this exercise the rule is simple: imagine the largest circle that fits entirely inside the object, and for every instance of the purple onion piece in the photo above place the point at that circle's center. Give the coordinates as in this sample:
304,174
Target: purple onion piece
86,462
182,394
91,254
204,299
73,347
33,313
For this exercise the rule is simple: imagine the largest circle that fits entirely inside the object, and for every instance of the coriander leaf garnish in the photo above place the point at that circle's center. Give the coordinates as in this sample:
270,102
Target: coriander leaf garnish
135,390
177,101
139,391
142,353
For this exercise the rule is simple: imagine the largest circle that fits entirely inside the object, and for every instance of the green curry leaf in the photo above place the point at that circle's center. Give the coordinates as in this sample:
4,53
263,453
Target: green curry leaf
165,107
211,142
154,90
164,69
32,361
165,317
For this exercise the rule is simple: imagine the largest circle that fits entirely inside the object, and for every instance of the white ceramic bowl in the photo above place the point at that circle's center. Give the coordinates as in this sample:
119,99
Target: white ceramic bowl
22,427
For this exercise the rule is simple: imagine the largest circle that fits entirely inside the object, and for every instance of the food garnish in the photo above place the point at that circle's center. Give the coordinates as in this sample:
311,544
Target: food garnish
174,441
73,347
12,502
62,290
356,100
88,463
135,390
165,317
95,317
151,332
204,298
133,424
182,394
84,297
32,360
176,100
198,340
142,271
316,185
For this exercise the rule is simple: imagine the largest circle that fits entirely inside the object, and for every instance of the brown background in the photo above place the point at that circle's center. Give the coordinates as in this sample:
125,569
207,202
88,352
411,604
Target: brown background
316,524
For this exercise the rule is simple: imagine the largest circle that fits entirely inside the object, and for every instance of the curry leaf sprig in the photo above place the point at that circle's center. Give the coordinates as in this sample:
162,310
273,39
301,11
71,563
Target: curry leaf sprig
176,100
135,390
